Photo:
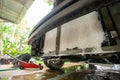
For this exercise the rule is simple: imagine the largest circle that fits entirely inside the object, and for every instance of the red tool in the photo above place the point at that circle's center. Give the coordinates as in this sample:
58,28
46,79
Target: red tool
23,64
30,64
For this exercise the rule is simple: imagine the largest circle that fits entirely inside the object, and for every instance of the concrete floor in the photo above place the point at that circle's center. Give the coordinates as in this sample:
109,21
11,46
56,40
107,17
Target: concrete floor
25,72
70,71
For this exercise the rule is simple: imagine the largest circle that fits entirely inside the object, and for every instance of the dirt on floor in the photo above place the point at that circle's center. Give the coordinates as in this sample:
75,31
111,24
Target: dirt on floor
70,71
8,70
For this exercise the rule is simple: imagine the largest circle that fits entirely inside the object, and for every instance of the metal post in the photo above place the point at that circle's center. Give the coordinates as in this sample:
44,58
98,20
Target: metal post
56,3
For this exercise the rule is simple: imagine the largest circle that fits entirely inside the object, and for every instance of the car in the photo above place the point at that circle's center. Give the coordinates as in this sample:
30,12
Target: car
78,30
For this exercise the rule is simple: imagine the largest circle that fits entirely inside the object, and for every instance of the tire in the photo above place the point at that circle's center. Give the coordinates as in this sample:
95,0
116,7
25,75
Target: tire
16,64
41,67
21,67
54,64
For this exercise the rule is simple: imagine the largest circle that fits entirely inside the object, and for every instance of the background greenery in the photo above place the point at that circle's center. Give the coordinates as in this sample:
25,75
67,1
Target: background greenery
14,38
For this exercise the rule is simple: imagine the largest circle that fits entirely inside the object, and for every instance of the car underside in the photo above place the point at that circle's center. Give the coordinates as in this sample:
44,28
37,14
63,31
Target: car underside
78,30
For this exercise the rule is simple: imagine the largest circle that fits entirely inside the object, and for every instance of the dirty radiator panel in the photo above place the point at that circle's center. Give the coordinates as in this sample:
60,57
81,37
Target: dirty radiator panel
83,32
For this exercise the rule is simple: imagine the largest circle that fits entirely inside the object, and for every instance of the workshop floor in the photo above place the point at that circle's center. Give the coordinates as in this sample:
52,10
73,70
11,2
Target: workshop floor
70,71
6,71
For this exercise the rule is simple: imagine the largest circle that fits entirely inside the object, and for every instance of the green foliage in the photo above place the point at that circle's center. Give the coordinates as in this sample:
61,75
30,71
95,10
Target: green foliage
83,66
37,60
50,2
14,38
75,68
